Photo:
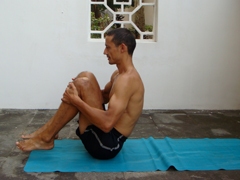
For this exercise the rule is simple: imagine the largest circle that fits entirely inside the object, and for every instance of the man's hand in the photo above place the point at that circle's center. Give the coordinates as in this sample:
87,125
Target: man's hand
70,94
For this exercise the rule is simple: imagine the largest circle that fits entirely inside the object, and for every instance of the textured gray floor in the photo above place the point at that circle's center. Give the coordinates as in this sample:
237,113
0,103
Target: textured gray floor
155,123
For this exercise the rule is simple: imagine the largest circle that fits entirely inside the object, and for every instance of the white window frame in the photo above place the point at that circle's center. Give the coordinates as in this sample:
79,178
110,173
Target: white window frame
154,4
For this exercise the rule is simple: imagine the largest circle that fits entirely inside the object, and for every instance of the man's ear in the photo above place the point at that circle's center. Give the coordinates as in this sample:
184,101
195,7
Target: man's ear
123,48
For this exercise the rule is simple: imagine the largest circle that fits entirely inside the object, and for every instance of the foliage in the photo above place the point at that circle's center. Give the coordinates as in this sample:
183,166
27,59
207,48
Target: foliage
149,28
99,23
135,32
132,30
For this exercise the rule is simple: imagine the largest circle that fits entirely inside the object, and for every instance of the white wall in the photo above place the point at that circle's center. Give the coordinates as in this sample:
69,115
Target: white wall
195,63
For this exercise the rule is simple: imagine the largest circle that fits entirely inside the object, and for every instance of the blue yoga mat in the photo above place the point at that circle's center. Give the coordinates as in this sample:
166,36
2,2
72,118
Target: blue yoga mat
140,155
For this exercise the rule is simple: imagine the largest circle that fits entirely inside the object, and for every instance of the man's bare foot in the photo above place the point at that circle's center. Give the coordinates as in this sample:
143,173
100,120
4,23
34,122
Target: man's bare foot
34,144
29,136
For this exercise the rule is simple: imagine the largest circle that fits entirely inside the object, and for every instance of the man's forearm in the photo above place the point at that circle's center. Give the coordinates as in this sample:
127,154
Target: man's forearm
96,116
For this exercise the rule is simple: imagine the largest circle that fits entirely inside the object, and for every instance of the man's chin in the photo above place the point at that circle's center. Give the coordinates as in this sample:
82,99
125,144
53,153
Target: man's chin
111,63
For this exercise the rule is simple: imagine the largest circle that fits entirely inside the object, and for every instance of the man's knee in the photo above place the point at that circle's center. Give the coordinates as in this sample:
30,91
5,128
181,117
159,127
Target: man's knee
82,83
85,88
85,74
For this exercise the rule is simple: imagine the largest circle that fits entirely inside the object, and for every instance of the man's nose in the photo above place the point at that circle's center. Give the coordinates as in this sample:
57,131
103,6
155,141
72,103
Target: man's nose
105,51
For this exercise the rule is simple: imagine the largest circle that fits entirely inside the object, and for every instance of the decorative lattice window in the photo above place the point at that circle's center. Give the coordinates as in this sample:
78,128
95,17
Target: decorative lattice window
138,16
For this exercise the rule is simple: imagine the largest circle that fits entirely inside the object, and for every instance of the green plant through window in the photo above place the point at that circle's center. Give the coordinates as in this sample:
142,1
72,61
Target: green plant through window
131,14
98,24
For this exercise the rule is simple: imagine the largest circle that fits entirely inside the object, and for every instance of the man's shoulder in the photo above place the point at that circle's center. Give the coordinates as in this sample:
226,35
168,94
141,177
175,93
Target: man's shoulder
126,77
134,76
114,75
130,79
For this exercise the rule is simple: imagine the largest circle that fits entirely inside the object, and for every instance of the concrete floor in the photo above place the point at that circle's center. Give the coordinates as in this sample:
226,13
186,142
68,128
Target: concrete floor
158,124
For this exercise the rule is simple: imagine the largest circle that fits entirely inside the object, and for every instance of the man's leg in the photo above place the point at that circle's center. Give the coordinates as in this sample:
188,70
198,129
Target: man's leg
37,132
81,75
45,139
90,94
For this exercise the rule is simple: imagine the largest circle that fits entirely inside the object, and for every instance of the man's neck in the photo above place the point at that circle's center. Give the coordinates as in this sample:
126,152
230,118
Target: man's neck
125,64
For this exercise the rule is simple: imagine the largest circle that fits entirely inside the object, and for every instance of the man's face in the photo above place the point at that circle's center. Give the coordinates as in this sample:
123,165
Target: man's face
111,51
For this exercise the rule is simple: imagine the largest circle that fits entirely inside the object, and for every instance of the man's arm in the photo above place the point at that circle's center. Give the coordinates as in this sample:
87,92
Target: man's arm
105,120
107,89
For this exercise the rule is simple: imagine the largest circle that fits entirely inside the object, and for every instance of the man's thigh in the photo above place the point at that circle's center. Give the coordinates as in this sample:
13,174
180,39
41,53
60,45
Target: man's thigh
90,92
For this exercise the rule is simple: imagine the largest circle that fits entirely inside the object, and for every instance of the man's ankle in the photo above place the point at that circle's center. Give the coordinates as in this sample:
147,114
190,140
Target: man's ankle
46,138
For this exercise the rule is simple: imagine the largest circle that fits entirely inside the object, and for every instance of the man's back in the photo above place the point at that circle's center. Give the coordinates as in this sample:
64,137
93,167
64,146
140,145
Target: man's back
132,86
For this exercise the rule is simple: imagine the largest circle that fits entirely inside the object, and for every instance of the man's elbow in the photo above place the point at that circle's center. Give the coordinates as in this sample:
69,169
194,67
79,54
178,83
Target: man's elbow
108,124
107,128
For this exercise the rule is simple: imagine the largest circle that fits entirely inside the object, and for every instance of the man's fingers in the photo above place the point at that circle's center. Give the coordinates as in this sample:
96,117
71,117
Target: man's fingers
71,85
65,100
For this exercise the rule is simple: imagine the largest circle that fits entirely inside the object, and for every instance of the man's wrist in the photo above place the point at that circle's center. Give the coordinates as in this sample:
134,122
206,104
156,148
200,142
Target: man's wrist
76,101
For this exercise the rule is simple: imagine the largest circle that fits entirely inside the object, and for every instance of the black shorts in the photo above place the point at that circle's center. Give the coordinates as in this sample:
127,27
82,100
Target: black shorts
101,145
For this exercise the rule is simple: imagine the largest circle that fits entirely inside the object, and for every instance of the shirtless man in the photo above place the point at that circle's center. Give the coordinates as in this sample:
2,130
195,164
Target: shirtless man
102,132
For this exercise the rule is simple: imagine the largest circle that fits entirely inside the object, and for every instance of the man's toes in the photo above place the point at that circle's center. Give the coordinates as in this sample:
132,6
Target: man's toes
25,137
19,146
